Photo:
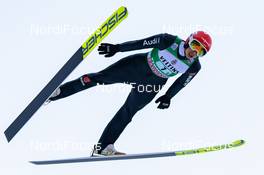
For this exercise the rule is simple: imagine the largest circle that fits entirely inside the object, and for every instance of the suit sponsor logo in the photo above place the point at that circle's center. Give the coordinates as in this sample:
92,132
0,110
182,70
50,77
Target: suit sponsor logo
151,42
168,64
191,75
173,62
85,80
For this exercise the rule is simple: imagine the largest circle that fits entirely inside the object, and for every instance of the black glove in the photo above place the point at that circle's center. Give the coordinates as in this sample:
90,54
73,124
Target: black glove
108,50
164,102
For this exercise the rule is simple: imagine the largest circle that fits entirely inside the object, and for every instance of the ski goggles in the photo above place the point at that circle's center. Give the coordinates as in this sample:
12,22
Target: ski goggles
198,47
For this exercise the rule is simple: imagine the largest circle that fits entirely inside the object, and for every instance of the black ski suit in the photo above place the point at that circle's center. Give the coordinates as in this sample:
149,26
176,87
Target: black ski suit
133,70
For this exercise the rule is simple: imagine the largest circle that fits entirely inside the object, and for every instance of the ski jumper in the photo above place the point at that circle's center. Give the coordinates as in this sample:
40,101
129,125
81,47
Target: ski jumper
166,59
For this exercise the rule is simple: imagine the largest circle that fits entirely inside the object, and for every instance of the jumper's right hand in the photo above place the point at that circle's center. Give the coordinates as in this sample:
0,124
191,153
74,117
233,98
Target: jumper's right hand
108,50
164,102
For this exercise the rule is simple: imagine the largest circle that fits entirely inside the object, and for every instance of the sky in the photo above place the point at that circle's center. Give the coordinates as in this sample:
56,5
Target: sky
223,103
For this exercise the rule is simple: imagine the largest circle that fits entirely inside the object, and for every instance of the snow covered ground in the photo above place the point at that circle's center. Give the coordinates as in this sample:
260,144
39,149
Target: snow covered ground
223,103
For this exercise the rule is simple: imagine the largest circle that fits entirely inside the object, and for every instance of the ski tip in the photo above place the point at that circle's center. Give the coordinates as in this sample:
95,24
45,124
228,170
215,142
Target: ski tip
8,136
34,162
238,142
122,7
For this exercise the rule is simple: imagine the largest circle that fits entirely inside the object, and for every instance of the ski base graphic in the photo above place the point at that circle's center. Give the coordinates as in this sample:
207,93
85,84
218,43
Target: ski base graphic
143,155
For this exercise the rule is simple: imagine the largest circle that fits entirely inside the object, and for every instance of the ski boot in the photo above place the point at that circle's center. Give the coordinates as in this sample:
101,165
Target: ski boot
54,94
108,151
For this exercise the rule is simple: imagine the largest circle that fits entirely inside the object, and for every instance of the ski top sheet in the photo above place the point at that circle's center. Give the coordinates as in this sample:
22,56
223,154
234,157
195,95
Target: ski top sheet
107,27
142,156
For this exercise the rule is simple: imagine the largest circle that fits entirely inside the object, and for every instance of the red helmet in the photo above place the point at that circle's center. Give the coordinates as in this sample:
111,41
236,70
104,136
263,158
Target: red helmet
202,38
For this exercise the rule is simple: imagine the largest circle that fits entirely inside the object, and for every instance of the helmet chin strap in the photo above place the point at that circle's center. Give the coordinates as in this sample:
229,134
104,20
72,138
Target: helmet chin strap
185,46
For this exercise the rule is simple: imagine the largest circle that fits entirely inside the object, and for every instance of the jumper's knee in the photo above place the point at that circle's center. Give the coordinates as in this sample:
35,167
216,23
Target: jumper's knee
87,81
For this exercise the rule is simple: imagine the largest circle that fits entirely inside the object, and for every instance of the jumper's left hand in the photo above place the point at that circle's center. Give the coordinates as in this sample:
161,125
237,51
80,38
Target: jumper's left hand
108,50
164,102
